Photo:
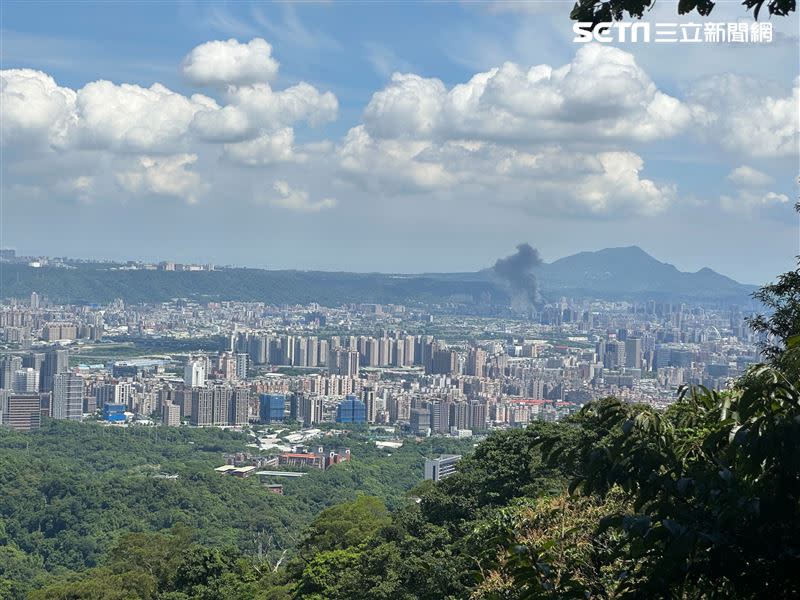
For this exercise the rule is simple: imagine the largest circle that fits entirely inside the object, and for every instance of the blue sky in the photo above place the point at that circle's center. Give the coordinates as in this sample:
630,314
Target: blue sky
317,156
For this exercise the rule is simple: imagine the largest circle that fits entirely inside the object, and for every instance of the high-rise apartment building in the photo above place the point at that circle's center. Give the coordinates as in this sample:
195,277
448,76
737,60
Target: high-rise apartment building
239,406
9,364
114,393
35,361
408,353
475,362
420,422
312,352
56,360
170,414
478,416
460,415
440,416
227,365
26,380
399,408
68,397
633,352
600,351
22,412
194,373
368,398
615,354
242,361
312,410
444,362
221,398
202,406
343,361
220,405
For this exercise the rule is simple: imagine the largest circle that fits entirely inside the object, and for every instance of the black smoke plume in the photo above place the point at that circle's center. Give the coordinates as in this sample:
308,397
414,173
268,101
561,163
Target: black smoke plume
517,271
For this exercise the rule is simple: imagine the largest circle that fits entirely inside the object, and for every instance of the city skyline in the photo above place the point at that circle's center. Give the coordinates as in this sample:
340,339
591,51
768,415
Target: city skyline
321,137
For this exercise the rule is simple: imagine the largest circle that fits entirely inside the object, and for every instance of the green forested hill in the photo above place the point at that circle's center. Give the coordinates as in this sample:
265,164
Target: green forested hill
613,273
90,283
68,491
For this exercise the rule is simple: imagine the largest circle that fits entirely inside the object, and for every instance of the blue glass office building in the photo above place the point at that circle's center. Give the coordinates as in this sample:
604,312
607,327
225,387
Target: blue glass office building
351,410
114,412
271,407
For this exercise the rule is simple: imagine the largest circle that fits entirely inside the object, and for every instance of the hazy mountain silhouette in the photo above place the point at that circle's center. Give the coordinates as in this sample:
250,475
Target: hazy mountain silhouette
632,271
614,273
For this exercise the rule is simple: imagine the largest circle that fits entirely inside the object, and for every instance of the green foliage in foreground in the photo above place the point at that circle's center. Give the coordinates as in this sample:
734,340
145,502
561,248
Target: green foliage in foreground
69,491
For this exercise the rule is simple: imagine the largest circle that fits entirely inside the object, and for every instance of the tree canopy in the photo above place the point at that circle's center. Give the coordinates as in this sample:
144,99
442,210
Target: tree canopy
605,11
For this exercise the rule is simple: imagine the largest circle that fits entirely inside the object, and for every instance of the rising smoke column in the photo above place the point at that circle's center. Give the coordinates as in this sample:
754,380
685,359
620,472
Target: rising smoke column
517,271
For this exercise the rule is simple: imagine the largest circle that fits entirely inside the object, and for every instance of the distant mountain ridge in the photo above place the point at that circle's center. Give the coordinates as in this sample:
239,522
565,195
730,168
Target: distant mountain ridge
633,271
627,273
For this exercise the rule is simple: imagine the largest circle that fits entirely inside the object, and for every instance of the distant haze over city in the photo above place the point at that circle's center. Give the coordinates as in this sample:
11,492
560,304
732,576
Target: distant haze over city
520,280
473,257
610,255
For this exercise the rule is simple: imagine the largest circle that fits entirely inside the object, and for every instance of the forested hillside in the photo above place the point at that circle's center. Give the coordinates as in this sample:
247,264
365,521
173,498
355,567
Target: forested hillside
613,273
69,490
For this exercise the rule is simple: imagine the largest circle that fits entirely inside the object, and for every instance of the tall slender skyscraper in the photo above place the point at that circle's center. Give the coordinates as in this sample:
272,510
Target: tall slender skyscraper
26,380
56,360
9,365
170,414
202,406
239,406
342,361
633,352
368,397
194,374
475,362
312,410
68,396
242,360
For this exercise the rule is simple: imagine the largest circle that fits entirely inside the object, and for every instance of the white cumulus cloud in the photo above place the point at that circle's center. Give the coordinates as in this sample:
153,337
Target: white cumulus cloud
267,107
132,118
297,200
742,117
267,149
549,181
748,176
164,176
746,201
34,108
230,63
602,91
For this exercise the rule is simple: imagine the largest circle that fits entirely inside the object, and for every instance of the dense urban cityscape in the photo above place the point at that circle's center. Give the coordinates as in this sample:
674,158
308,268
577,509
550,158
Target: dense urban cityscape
229,364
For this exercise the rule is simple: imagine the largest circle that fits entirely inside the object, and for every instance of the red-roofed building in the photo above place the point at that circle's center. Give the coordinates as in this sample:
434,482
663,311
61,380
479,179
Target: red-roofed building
321,459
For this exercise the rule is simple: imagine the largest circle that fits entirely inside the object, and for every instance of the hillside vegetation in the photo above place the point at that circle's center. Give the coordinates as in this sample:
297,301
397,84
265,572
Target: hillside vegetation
70,491
613,273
